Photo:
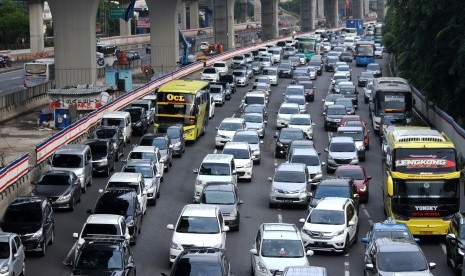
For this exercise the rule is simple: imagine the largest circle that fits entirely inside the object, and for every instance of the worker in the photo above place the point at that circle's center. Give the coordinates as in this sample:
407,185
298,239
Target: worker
204,62
293,34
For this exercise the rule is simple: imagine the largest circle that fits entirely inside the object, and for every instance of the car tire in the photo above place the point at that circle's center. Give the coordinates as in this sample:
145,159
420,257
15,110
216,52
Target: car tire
271,205
71,205
52,238
23,271
44,249
346,246
107,172
83,189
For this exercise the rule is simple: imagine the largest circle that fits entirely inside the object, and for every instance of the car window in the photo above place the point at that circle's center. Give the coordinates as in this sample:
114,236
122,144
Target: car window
99,229
198,225
219,197
401,261
319,216
93,258
289,176
281,248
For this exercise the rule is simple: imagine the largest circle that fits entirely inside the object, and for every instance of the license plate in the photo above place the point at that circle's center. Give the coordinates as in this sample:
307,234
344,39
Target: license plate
426,232
320,244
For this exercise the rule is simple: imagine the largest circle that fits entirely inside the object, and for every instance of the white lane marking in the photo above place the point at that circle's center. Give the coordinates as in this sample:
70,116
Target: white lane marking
346,267
215,151
365,211
280,218
15,78
234,115
443,246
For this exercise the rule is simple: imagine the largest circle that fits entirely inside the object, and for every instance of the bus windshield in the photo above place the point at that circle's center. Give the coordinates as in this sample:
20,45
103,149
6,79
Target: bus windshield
390,102
306,47
433,191
35,68
365,50
425,161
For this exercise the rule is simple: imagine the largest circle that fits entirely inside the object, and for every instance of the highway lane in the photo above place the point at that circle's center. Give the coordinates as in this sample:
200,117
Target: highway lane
11,82
152,249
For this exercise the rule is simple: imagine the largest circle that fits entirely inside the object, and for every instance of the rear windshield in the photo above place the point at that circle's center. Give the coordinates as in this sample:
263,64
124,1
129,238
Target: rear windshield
67,161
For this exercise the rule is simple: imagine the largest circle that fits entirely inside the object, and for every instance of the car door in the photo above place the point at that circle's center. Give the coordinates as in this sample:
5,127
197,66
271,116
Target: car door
76,187
452,243
16,263
222,225
351,217
88,170
48,222
257,246
143,194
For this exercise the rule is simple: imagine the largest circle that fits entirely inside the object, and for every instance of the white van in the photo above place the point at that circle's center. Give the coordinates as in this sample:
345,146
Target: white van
214,167
120,119
76,159
272,73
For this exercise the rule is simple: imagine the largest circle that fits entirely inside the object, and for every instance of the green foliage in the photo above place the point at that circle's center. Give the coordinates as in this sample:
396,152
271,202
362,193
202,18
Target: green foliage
428,40
14,24
292,6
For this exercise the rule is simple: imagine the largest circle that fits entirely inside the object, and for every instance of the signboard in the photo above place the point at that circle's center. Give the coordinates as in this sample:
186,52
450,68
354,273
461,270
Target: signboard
118,13
143,22
82,102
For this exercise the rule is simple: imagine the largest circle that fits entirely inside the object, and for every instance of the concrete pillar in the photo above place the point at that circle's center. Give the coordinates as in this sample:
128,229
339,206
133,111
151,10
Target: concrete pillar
124,27
381,11
357,9
320,9
36,26
270,28
331,11
366,7
223,22
243,11
74,39
164,41
257,11
194,14
307,15
181,13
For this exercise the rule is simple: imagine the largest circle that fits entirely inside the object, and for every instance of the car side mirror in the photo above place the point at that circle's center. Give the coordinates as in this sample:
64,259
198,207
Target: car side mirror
324,113
75,235
100,190
196,170
261,141
369,177
170,227
270,179
89,211
356,195
310,253
225,228
417,240
253,251
432,265
240,202
351,223
364,240
171,147
369,267
451,236
326,150
163,274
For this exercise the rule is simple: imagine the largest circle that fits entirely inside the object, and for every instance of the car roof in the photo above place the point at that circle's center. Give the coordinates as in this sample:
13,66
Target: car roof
295,167
390,224
248,131
144,149
200,255
139,163
332,203
236,145
103,219
25,202
125,177
349,168
232,120
396,245
289,105
307,116
305,151
350,128
220,186
341,139
335,181
217,158
199,210
280,231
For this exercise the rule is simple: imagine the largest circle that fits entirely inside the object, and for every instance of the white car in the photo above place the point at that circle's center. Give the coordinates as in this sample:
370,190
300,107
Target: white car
198,225
331,226
243,158
222,67
227,129
272,73
286,110
210,74
203,45
304,122
277,246
300,100
151,178
344,68
148,153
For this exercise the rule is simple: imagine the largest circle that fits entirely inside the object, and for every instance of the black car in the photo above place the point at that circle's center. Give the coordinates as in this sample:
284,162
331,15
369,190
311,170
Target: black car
333,116
203,260
284,139
335,187
231,79
176,135
346,57
115,135
104,155
285,70
104,255
455,242
138,119
163,142
317,65
330,64
5,61
31,218
350,92
225,196
364,78
62,188
148,49
123,202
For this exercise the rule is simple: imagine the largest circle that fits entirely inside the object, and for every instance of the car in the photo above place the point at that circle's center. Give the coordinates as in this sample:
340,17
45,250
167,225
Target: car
139,121
303,122
344,68
349,91
264,79
12,255
316,65
364,78
376,69
151,178
256,122
455,245
256,67
333,115
392,119
298,99
256,108
289,51
132,55
248,57
304,271
391,256
121,201
326,46
231,80
61,188
309,90
346,57
176,135
115,135
284,114
285,70
148,153
104,254
218,93
238,60
251,137
330,63
332,225
5,61
210,74
32,218
201,260
104,155
240,77
294,90
360,177
197,225
265,61
295,60
309,157
225,196
225,131
149,107
344,75
259,95
367,92
335,187
243,159
299,144
163,142
248,69
290,185
358,133
221,66
299,76
130,180
388,229
284,139
378,52
329,100
341,151
347,103
272,73
276,246
303,58
148,49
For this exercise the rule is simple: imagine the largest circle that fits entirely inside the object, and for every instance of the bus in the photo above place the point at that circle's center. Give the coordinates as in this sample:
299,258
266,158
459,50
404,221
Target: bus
378,33
39,71
184,102
308,46
390,95
364,52
109,53
421,179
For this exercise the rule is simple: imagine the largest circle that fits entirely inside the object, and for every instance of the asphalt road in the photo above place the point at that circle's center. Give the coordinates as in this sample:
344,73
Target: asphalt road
152,249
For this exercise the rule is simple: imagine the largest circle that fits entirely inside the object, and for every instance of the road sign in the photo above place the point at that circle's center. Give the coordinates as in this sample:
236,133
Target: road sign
118,13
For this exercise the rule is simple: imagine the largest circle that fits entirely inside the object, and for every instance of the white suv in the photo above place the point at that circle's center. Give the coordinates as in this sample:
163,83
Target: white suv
210,74
148,153
198,225
276,246
243,158
331,226
227,129
221,66
286,110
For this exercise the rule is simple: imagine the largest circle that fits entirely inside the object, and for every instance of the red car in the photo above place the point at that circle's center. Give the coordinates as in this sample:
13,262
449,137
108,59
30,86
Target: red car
358,174
309,90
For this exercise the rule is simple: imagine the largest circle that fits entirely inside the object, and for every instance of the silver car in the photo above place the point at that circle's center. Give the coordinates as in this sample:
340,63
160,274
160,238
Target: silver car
290,185
341,151
241,77
151,178
11,255
255,144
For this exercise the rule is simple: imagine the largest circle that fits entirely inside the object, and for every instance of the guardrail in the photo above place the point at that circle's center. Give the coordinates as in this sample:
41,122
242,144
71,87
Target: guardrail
13,171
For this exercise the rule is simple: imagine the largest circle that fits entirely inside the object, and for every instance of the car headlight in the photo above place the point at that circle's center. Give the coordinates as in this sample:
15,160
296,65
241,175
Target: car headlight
318,176
302,190
4,269
64,197
248,165
337,233
261,267
37,234
279,144
164,159
80,175
363,188
233,213
330,157
274,190
104,161
176,246
198,182
362,147
460,250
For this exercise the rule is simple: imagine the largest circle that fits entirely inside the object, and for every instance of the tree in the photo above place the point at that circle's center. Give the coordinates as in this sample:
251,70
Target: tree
14,24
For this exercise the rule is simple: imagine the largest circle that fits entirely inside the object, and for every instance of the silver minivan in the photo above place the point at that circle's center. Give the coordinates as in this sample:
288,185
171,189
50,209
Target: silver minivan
77,159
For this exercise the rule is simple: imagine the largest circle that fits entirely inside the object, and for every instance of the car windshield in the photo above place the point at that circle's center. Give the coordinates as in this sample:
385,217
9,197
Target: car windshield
366,75
237,153
187,268
209,71
114,207
23,216
357,135
67,161
390,234
293,135
198,225
401,261
100,258
297,100
253,118
160,143
303,121
289,110
285,66
307,85
337,110
239,73
240,58
347,90
229,126
4,250
274,248
289,176
314,63
214,169
116,184
173,132
253,109
309,160
319,216
219,197
251,139
53,179
346,104
142,156
342,147
373,67
146,171
105,133
332,97
215,89
269,72
98,150
255,99
332,191
94,229
354,174
294,91
113,122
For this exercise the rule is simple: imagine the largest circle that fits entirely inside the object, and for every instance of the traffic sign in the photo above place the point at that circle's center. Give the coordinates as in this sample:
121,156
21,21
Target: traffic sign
118,13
